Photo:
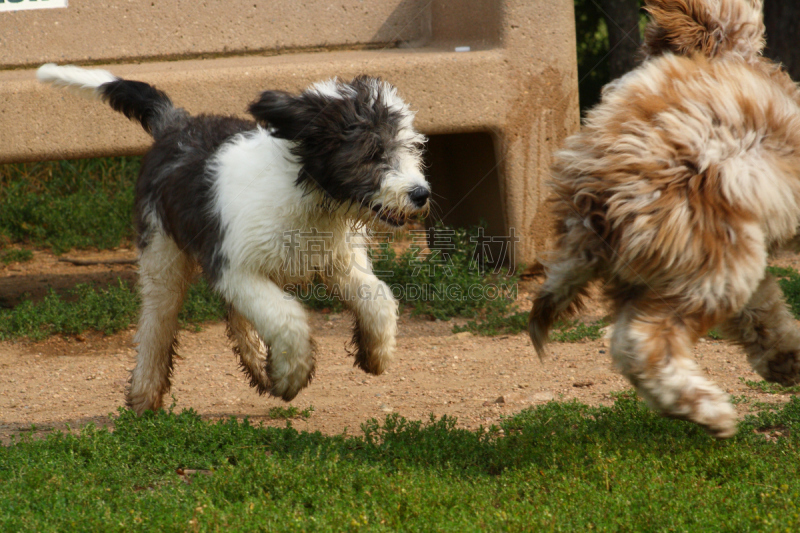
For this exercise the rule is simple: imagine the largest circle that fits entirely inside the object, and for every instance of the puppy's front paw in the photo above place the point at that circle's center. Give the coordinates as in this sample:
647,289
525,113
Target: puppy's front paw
290,370
372,362
372,353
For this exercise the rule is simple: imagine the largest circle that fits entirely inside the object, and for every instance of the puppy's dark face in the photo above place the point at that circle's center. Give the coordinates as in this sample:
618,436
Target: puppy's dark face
356,143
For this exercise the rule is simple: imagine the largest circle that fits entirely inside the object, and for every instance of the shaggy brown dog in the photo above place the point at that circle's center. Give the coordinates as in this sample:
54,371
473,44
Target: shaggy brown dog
681,181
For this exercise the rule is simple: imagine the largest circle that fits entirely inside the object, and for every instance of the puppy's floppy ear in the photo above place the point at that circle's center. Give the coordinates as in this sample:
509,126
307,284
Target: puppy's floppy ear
282,111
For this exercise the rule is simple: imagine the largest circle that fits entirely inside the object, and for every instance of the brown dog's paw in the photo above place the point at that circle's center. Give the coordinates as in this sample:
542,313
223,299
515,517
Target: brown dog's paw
784,369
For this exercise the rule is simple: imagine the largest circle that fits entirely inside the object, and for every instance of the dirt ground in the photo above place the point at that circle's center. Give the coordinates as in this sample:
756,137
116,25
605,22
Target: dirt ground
76,380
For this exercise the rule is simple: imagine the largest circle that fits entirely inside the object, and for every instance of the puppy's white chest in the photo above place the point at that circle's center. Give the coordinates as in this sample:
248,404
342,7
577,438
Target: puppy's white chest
307,253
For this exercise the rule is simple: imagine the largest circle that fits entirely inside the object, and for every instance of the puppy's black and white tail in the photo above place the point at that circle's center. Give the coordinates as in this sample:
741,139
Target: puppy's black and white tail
708,27
135,99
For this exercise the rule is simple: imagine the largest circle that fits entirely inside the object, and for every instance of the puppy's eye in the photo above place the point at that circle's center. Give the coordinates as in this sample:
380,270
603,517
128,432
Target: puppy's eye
375,153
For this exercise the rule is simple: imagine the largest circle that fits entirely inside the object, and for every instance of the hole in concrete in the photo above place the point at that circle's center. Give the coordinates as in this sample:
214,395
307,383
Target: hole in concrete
464,176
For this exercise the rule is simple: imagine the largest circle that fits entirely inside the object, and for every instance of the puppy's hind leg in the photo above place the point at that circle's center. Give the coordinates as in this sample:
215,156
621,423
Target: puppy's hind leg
164,277
652,347
769,335
252,352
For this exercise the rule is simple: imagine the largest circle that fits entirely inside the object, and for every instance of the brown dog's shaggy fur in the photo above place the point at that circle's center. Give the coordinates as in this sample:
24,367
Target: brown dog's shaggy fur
680,182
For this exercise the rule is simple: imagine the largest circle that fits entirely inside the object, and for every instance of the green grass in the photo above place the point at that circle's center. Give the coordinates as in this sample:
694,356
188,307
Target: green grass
68,204
577,331
107,310
770,388
436,291
114,308
202,305
558,467
496,324
789,281
782,272
15,256
443,289
288,413
84,308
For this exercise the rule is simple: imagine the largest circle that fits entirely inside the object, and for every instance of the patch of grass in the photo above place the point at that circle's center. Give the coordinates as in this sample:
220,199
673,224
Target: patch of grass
577,331
766,406
68,204
557,467
756,405
496,324
107,310
789,281
770,388
289,413
782,272
736,400
15,256
202,305
446,283
83,308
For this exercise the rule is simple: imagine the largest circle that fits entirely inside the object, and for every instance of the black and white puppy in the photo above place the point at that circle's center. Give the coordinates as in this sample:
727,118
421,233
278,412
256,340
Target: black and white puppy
248,200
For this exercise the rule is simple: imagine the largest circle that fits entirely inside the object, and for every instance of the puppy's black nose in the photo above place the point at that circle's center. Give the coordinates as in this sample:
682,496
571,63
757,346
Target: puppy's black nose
419,195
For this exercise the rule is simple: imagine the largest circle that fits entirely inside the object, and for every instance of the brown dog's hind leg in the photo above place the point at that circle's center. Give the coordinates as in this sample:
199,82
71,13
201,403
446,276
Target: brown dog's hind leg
769,335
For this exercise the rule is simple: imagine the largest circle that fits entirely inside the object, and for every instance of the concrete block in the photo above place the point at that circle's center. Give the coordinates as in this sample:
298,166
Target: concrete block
516,87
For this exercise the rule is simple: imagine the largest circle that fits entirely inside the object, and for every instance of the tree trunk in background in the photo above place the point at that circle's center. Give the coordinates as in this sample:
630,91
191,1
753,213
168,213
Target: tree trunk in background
782,18
622,19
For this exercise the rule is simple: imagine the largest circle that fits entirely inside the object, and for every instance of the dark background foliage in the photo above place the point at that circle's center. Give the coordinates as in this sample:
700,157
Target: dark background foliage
609,36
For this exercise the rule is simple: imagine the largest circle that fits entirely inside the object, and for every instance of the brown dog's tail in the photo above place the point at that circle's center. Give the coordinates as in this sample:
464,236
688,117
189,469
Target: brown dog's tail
709,27
560,297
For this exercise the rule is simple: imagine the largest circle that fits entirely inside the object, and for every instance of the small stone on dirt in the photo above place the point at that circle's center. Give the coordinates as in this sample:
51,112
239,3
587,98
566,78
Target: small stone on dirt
545,396
457,337
499,401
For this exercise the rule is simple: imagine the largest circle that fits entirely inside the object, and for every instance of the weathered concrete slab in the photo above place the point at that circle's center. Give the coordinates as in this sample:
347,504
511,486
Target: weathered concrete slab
518,82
